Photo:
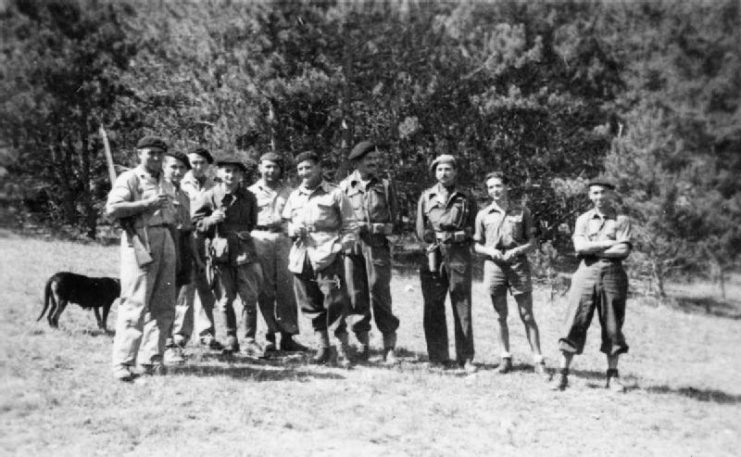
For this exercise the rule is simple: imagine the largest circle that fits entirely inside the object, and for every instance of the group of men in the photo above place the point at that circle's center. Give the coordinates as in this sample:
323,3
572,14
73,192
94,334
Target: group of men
325,248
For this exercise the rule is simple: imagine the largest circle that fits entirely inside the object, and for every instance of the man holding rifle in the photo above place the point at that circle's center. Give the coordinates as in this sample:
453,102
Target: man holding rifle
143,199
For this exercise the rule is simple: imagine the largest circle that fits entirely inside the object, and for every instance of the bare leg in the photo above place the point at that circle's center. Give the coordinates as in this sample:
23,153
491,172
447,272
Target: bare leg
525,306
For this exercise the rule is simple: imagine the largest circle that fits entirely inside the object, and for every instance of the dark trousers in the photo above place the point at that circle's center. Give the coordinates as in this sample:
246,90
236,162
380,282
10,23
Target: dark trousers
368,274
322,296
454,277
600,285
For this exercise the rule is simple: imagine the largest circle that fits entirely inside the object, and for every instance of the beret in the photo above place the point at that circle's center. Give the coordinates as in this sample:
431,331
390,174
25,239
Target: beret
151,142
361,149
203,152
180,156
307,155
272,157
231,159
443,158
601,182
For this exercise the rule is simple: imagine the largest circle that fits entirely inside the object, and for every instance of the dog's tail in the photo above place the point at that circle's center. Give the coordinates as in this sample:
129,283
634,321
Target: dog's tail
47,297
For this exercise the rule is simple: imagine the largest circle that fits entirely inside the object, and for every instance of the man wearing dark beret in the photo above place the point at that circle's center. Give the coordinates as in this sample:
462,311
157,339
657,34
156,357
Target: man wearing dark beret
321,223
368,263
445,220
198,294
602,239
226,215
147,304
277,302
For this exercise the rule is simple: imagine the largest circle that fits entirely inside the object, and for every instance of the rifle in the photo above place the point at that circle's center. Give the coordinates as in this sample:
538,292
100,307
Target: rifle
141,253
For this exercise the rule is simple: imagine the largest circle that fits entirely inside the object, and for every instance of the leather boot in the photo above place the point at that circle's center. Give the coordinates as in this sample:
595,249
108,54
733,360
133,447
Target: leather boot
343,351
364,341
389,349
323,353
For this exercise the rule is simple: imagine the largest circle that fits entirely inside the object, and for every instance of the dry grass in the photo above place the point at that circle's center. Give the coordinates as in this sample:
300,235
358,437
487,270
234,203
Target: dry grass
57,396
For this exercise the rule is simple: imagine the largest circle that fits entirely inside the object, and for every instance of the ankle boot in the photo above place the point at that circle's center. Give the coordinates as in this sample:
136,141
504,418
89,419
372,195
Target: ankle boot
343,351
389,349
322,342
364,341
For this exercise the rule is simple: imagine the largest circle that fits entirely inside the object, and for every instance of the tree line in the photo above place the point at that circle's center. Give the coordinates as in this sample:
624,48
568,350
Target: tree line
646,93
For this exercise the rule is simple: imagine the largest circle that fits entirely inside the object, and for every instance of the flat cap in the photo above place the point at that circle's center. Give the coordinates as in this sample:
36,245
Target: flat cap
361,149
443,158
307,155
151,142
601,181
180,156
272,157
203,152
231,159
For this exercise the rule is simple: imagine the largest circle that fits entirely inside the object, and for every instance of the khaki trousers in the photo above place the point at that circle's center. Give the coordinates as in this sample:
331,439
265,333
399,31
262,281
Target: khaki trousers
277,300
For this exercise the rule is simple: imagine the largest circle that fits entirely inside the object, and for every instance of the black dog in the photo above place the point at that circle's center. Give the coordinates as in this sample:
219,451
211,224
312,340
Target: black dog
87,292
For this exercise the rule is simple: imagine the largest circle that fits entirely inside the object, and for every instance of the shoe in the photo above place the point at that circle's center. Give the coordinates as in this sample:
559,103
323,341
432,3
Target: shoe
469,367
322,356
212,343
541,370
389,357
363,353
231,346
174,355
505,366
562,380
180,341
614,383
123,373
438,364
153,369
253,349
288,344
343,357
270,345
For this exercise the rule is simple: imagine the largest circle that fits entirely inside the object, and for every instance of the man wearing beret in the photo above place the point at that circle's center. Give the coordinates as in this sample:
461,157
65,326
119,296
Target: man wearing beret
175,166
147,306
368,263
602,239
321,223
226,215
445,220
277,302
198,294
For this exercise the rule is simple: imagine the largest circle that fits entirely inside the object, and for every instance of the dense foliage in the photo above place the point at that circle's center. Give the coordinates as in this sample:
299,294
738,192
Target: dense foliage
551,93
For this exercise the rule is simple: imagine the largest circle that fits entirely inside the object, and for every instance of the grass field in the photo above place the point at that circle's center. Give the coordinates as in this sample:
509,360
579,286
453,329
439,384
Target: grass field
57,396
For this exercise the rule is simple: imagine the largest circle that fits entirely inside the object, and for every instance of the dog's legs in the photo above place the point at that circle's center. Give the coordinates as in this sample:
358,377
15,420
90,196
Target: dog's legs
54,303
97,318
106,310
61,304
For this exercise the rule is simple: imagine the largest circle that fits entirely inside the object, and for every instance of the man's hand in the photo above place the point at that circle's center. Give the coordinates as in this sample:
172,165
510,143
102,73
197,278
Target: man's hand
217,216
496,255
296,231
509,255
156,201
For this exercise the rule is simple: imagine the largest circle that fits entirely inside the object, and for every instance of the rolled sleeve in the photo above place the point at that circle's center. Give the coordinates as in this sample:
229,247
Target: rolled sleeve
120,193
580,230
624,230
347,215
479,235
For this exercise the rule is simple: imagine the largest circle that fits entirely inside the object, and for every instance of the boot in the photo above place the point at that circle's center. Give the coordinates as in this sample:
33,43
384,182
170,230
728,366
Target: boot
505,366
323,353
614,383
232,345
364,341
270,343
288,344
562,380
389,349
343,351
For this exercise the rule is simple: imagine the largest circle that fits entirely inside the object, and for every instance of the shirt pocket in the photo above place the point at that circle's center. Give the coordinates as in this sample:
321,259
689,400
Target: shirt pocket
513,227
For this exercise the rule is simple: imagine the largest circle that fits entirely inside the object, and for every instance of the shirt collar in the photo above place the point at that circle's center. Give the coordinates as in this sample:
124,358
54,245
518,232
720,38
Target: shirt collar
142,172
356,179
609,213
323,185
493,206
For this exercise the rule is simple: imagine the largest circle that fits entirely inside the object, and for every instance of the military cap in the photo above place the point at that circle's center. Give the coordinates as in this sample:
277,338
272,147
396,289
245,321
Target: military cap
361,149
273,157
151,142
307,155
601,181
231,159
443,158
203,152
180,156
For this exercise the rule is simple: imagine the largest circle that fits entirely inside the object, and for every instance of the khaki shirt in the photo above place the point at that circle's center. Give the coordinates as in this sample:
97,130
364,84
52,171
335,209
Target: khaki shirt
592,226
138,184
444,212
195,188
373,202
270,204
328,216
501,228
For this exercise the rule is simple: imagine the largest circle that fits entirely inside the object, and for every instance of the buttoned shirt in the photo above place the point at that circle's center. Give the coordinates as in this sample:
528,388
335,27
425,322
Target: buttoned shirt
593,226
504,228
240,210
195,188
445,211
183,222
270,203
139,184
373,201
328,217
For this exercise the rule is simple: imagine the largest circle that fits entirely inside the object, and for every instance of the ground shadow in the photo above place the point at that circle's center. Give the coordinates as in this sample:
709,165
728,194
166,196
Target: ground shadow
259,373
703,395
708,305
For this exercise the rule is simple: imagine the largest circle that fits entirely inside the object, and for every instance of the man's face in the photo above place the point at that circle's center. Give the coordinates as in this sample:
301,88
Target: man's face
600,196
270,171
151,159
231,175
198,164
310,173
370,164
496,188
445,174
174,169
